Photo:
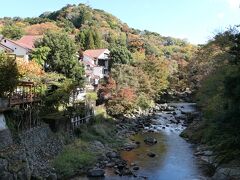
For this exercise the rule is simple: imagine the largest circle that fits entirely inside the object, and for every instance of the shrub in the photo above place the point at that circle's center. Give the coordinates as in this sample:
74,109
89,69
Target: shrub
91,96
8,74
73,159
12,32
144,102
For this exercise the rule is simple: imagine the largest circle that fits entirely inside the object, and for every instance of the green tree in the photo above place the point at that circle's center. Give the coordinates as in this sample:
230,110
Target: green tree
120,55
12,32
8,74
90,40
219,94
132,90
62,56
158,71
97,40
81,40
82,18
39,55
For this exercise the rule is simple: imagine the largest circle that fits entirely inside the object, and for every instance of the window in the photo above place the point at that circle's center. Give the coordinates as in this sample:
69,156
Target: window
101,62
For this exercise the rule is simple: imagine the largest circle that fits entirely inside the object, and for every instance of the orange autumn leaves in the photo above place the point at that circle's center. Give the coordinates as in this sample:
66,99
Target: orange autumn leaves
29,70
40,29
109,90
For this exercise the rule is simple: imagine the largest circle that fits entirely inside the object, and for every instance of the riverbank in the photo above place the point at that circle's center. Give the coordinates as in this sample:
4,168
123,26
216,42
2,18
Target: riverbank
114,148
209,160
39,153
154,148
96,148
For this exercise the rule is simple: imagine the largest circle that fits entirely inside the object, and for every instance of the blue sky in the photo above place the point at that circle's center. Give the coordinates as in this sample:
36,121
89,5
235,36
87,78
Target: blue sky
195,20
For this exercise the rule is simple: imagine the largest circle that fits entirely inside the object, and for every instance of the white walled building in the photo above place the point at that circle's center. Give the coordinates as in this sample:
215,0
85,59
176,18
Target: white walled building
96,62
21,48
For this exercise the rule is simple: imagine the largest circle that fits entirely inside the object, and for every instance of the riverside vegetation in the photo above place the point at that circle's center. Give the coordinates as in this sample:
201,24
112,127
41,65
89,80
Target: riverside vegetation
145,68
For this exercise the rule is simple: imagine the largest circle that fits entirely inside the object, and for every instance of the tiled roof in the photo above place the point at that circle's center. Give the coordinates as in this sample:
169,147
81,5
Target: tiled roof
27,41
94,53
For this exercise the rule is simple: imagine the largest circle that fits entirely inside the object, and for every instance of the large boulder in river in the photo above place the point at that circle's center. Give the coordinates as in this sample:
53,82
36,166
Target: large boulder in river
129,146
96,173
150,141
112,155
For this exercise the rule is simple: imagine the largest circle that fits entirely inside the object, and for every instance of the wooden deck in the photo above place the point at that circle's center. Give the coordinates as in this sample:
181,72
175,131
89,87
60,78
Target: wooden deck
23,94
14,102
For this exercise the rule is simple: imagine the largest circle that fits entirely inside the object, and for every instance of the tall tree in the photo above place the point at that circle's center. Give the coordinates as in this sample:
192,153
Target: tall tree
8,74
97,40
158,71
62,57
39,55
120,55
90,40
81,40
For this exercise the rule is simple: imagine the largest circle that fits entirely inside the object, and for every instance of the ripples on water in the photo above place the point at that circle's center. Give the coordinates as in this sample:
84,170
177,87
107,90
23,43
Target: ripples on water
174,156
174,160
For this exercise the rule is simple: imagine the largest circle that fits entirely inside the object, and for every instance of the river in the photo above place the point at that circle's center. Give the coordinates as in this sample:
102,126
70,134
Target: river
174,156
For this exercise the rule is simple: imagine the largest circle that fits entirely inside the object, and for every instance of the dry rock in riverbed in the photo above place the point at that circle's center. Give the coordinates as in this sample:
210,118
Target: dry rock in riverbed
129,146
150,154
112,155
150,141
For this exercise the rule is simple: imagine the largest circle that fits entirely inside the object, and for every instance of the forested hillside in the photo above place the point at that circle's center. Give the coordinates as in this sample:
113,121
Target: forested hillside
159,61
214,73
145,68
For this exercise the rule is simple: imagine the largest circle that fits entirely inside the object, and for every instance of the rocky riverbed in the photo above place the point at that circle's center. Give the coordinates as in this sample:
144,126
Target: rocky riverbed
154,149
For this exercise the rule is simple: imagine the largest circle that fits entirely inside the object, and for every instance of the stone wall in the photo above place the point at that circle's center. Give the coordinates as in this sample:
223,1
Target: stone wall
5,134
5,138
32,156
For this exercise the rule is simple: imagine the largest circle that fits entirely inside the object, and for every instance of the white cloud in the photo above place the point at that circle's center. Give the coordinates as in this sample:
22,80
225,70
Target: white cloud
234,4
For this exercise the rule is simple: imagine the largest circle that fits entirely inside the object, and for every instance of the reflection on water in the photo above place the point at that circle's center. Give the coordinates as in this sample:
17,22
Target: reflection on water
174,160
174,156
139,155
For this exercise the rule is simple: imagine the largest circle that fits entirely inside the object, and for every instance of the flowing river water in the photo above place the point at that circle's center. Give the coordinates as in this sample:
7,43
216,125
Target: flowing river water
174,158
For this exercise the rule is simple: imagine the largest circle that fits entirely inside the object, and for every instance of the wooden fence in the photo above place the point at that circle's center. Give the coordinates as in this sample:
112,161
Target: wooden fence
78,121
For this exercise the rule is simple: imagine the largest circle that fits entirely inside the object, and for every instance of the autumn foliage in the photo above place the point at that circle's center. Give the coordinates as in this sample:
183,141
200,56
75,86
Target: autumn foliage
40,29
29,70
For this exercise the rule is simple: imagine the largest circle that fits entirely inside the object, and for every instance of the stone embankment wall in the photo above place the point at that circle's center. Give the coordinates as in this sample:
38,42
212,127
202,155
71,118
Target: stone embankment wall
29,157
5,135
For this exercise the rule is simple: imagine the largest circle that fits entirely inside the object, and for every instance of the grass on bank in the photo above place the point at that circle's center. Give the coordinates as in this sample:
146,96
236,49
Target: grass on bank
78,156
74,158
